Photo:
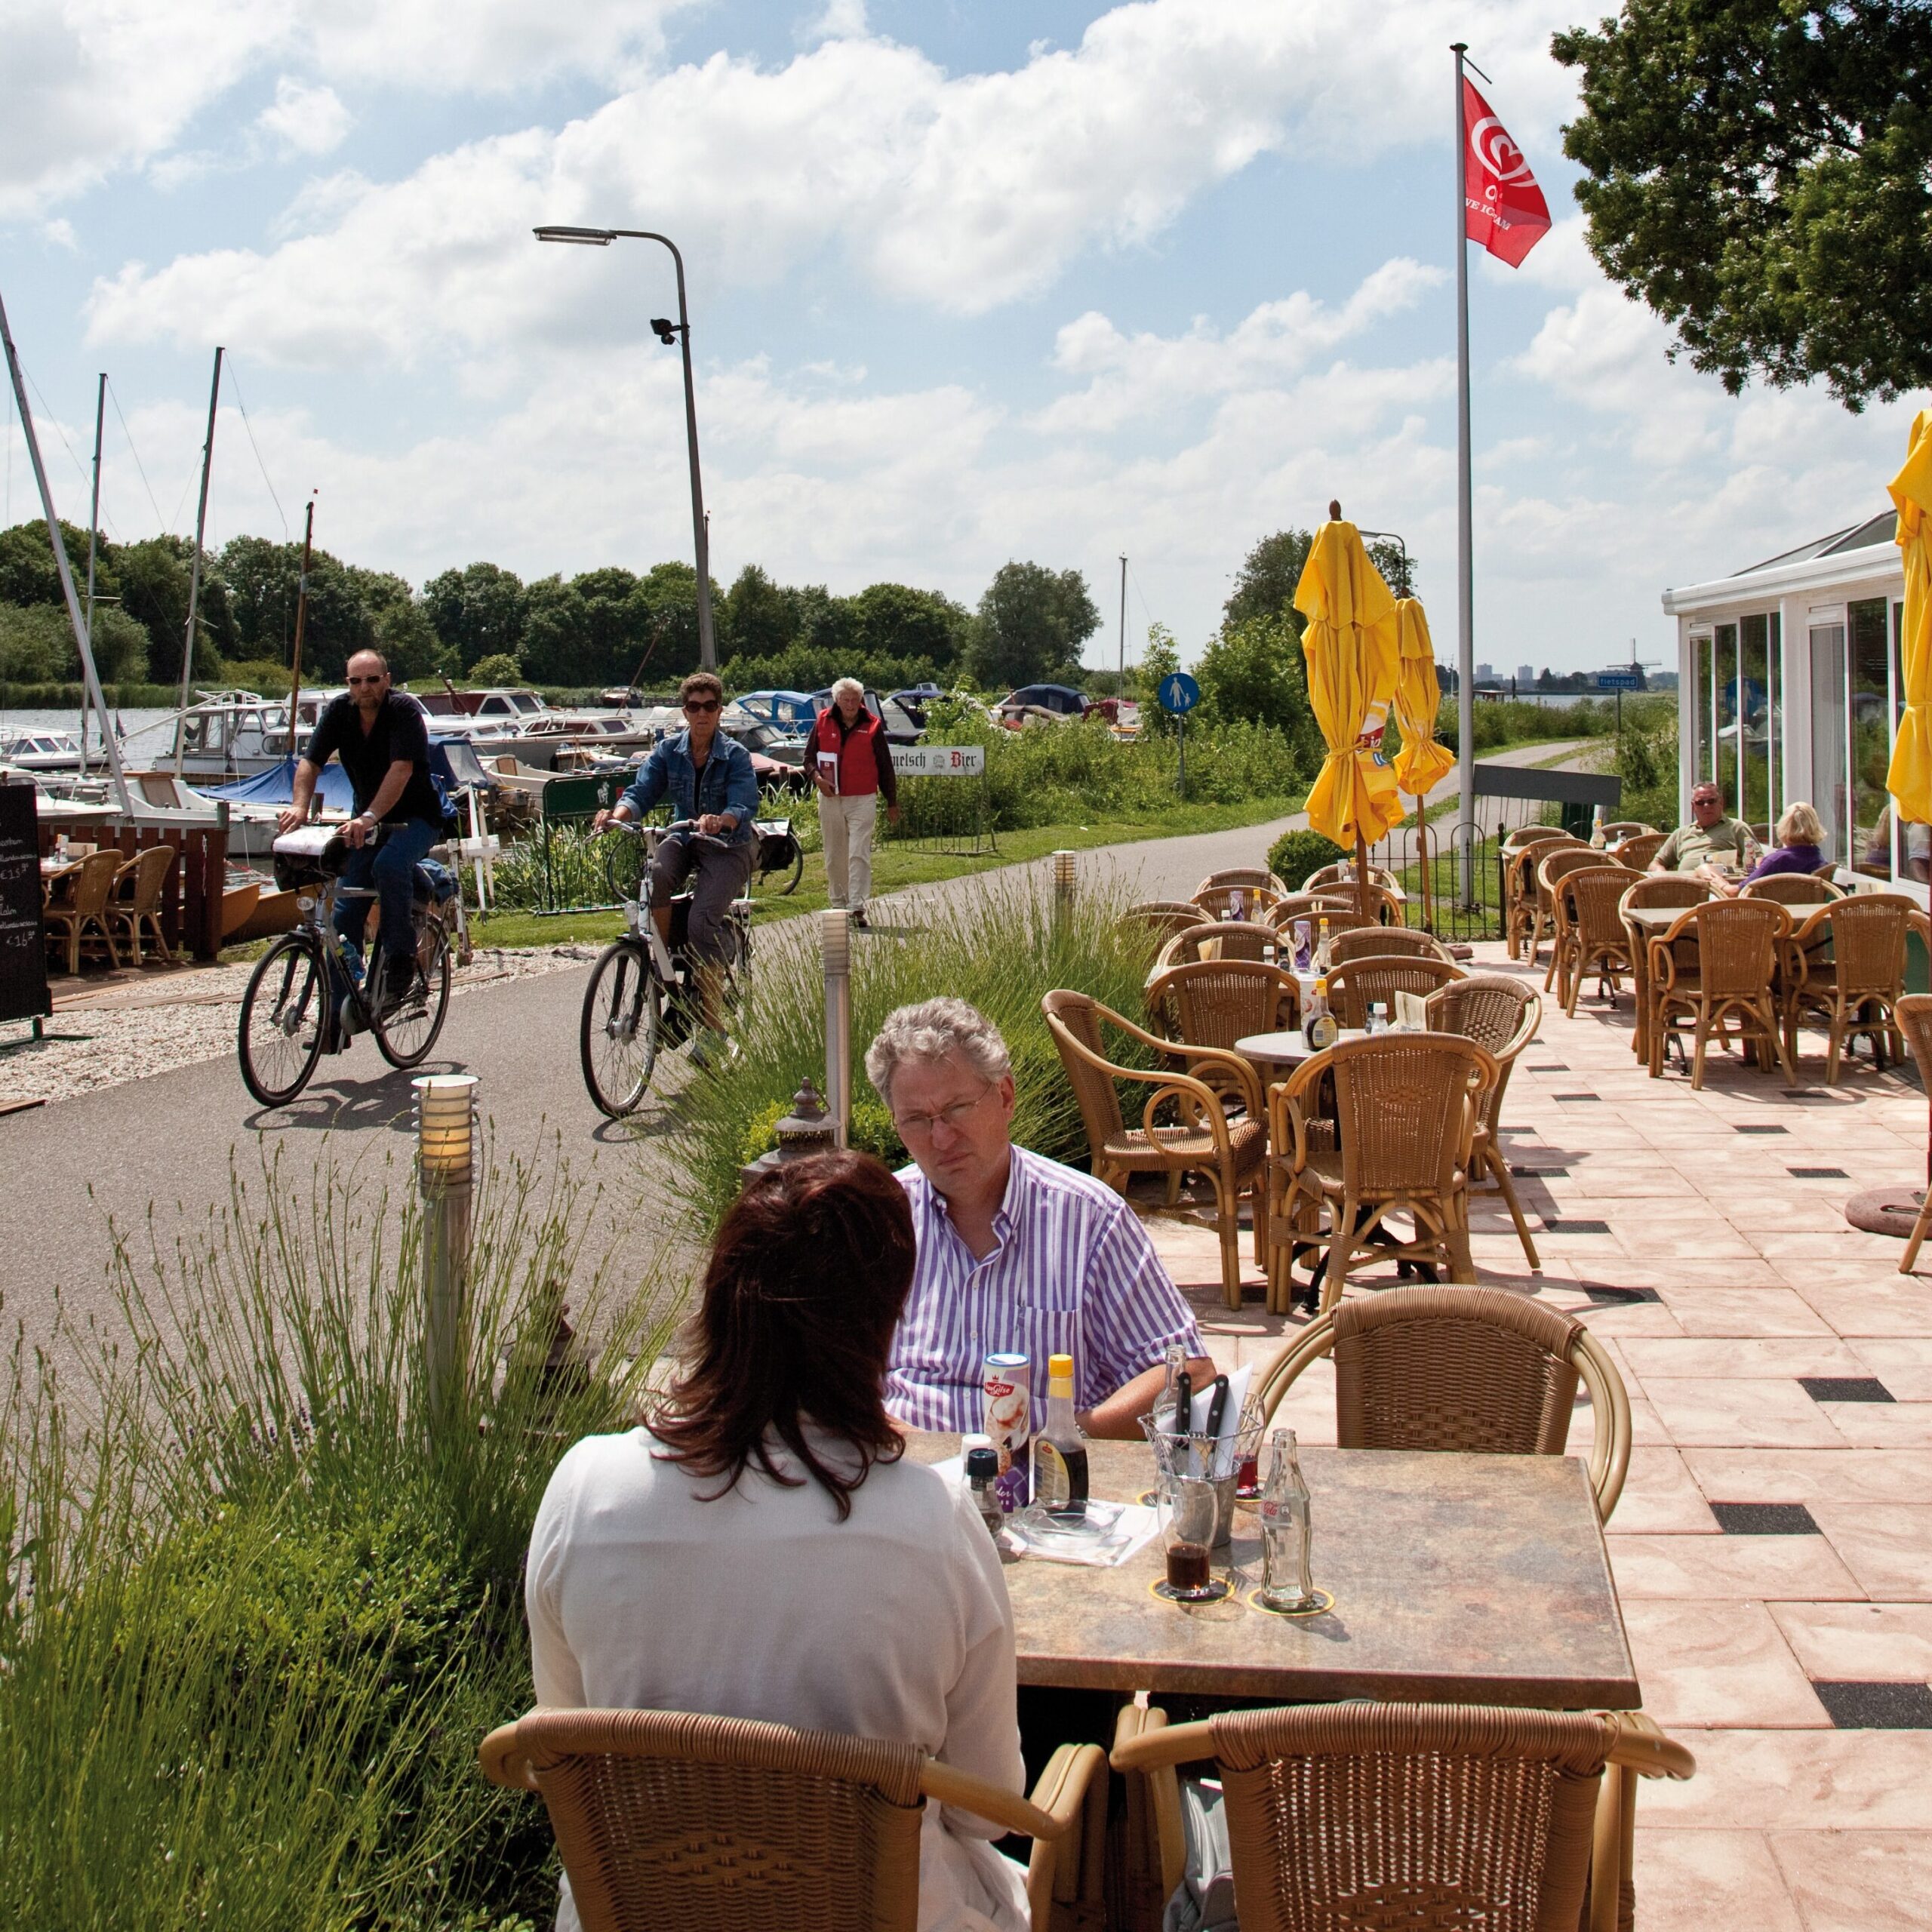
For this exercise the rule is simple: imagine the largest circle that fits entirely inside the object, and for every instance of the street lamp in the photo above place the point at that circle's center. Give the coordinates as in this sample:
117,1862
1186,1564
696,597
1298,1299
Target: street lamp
1390,536
668,332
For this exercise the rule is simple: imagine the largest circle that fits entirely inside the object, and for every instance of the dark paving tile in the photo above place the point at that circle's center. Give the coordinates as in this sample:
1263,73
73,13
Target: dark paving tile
1597,1098
1540,1173
1754,1126
1818,1173
1865,1706
1764,1519
1554,1066
1606,1295
1845,1389
1567,1226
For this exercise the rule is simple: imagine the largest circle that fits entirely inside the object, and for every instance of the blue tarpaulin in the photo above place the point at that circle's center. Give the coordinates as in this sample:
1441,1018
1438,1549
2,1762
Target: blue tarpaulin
452,765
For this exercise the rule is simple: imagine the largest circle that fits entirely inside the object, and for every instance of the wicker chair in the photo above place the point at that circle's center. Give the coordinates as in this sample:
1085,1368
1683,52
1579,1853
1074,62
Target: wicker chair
1232,939
1359,983
1217,1002
1678,889
1231,1153
1914,1013
1738,944
1309,905
1248,877
1406,1107
79,902
1342,874
1638,852
1422,1817
1590,932
1551,868
1519,884
1384,943
1529,835
1791,889
1619,829
1469,1369
1162,918
664,1818
1501,1015
1858,987
1217,901
136,901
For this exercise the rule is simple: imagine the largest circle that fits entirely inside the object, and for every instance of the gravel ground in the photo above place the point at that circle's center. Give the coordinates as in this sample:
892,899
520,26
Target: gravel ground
138,1029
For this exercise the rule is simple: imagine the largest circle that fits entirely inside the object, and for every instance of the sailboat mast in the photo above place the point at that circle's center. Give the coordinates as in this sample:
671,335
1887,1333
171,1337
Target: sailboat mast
195,568
90,676
93,542
301,625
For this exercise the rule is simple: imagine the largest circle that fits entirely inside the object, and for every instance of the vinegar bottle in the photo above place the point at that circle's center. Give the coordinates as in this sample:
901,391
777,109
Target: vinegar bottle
1059,1450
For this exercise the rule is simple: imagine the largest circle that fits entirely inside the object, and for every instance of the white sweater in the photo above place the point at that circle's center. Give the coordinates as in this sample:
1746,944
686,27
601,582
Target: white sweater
760,1604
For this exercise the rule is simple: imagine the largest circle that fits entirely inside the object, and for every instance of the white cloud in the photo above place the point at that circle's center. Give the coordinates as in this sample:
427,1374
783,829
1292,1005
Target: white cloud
842,20
60,232
306,120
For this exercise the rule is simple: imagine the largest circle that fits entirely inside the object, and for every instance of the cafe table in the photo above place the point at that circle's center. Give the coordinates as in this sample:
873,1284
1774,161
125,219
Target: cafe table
1469,1579
1647,923
1287,1049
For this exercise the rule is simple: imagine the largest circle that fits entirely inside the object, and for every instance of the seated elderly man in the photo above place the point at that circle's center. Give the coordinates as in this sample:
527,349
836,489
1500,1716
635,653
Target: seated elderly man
1709,836
1016,1254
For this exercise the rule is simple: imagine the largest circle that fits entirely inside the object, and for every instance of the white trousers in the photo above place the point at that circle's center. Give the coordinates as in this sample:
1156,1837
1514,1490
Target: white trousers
846,827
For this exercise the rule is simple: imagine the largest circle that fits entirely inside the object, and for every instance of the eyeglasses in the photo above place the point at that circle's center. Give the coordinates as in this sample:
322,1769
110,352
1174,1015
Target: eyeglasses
920,1126
375,680
700,704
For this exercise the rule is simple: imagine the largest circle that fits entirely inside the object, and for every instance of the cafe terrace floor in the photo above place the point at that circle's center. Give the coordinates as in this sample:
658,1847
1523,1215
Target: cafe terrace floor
1694,1234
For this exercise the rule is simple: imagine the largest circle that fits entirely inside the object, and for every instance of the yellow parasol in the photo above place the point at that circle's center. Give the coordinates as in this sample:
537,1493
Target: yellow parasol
1422,762
1910,779
1350,645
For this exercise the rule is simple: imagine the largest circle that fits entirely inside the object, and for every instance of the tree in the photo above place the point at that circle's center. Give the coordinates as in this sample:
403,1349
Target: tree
35,640
1161,658
476,612
1266,586
28,573
1254,672
756,618
498,670
403,632
264,583
1761,173
667,595
894,620
153,577
1397,567
1032,622
826,624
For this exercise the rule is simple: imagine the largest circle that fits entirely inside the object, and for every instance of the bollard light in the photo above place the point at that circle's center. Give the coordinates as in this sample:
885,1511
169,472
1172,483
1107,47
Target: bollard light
445,1127
446,1168
1063,878
835,938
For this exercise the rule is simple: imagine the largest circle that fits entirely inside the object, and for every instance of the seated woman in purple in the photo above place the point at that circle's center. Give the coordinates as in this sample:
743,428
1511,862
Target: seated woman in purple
1800,834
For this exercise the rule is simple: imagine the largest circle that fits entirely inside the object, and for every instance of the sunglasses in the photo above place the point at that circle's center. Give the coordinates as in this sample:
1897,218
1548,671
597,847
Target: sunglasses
700,704
375,680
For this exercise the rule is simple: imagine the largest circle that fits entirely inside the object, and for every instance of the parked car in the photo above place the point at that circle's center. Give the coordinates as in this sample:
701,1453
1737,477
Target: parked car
1052,701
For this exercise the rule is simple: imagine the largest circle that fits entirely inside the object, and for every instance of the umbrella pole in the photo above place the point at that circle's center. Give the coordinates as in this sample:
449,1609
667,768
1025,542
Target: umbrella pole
1361,872
1422,851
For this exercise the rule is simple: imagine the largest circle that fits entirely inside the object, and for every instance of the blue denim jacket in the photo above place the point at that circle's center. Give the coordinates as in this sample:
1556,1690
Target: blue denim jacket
729,784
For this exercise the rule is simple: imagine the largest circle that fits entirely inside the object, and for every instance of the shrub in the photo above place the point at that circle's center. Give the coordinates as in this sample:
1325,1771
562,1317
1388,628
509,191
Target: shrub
499,668
1295,854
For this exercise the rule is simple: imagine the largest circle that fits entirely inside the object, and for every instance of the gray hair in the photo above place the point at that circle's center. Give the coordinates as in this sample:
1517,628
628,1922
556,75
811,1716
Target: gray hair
840,686
930,1030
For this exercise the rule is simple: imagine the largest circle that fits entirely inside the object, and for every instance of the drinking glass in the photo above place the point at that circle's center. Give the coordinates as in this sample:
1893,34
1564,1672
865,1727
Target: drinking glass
1187,1507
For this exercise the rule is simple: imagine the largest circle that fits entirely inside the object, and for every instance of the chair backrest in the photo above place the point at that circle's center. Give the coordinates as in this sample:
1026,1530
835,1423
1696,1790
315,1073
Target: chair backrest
1626,828
1247,877
1217,899
1638,852
138,884
94,883
1737,945
1526,835
1217,1002
664,1818
1383,942
1343,873
1162,918
1357,984
1791,889
1074,1021
1402,1105
1237,939
1411,1815
1566,859
1667,889
1594,897
1868,932
1913,1012
1500,1013
1343,915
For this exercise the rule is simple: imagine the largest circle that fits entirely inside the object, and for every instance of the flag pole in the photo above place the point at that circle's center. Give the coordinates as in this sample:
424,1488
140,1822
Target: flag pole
1465,649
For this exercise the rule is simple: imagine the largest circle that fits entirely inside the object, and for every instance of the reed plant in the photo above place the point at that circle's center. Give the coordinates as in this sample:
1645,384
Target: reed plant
261,1599
1000,945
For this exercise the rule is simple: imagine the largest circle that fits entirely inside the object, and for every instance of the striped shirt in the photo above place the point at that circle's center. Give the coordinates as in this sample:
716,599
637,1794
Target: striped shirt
1072,1272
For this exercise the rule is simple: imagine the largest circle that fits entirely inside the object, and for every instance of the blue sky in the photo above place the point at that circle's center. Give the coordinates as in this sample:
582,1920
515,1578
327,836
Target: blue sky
968,282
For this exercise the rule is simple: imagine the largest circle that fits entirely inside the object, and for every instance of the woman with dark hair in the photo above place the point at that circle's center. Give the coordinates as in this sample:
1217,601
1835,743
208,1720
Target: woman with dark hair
760,1548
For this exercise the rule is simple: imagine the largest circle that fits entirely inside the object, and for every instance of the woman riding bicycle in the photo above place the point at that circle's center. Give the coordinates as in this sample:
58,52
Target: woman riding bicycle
709,779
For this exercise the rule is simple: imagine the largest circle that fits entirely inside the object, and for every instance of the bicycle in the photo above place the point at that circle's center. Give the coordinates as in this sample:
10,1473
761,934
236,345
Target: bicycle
775,850
307,994
642,994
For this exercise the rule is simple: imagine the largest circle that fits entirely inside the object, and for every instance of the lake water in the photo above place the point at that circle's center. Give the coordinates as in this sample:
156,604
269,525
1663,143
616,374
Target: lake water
150,745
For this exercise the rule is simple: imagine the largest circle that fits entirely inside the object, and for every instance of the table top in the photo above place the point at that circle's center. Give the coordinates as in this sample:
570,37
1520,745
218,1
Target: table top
1657,919
1288,1049
1465,1578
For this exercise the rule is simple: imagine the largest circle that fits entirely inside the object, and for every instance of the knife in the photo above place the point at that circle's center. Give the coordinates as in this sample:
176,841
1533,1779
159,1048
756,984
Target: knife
1217,1407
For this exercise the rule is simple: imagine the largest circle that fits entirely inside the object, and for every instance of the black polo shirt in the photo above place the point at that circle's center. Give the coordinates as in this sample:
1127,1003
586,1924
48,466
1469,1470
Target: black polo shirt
398,733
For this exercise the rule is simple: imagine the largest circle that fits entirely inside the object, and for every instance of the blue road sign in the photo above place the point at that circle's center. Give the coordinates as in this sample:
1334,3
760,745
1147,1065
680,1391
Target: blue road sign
1179,692
1619,680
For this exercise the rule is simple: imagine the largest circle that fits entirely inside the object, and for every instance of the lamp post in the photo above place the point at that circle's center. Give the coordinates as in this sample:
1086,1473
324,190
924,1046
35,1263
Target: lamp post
668,332
445,1166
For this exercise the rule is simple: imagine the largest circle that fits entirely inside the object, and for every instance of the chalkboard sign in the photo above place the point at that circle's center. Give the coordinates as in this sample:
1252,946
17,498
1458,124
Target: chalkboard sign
22,958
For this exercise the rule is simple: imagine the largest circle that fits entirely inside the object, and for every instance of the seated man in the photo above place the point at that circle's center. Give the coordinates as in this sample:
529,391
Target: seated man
1709,836
1016,1254
384,746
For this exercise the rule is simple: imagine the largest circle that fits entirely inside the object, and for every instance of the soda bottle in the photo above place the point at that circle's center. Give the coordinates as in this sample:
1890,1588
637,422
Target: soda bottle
1286,1530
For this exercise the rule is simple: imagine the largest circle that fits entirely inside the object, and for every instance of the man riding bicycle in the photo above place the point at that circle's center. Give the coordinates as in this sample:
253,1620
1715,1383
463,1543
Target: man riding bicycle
709,779
384,746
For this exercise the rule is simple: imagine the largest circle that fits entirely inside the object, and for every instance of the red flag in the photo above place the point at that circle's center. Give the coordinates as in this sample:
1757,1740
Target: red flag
1503,207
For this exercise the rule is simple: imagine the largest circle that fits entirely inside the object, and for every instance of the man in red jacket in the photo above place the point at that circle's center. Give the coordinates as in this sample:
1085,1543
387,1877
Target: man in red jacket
852,763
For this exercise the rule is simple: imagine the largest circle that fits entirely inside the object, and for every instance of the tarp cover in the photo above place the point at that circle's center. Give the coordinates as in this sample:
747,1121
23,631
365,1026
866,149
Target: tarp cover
453,765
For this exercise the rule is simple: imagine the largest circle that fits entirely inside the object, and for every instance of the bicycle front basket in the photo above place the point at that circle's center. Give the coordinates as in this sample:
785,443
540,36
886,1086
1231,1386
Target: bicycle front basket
308,855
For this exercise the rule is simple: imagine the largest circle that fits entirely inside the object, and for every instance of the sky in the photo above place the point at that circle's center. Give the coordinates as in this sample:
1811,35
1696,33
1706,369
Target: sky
969,280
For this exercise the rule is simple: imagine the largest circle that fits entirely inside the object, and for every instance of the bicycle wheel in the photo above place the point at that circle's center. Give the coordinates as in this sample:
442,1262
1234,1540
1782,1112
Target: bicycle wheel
408,1033
284,1015
617,1036
623,867
796,873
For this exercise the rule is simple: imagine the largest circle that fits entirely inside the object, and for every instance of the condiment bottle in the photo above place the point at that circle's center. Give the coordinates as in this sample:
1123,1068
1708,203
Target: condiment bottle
1059,1450
1321,945
1286,1530
1319,1027
981,1474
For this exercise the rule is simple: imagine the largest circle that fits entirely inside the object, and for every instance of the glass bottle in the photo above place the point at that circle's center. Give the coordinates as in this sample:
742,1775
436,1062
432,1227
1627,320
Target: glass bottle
1059,1450
1596,829
1237,905
1286,1583
983,1479
1378,1019
1321,947
1318,1026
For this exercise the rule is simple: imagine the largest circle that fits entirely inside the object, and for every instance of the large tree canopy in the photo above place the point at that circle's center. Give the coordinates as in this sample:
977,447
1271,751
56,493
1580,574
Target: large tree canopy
1760,172
1032,622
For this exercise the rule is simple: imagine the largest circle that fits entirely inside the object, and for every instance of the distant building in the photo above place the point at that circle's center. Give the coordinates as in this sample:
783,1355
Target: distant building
1485,674
1526,677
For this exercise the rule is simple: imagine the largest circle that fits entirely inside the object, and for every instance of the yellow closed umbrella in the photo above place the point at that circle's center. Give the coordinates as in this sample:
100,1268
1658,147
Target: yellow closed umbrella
1909,778
1351,648
1421,763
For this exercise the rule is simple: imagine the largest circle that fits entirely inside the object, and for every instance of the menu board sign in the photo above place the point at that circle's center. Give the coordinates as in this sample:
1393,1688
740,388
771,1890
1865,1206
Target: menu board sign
23,958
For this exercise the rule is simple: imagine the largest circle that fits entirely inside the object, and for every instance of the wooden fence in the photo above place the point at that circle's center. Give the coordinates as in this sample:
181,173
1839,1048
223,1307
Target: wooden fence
190,896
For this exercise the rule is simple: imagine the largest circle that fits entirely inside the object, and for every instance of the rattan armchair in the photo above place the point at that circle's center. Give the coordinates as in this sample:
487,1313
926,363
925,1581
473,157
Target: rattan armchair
135,902
1246,877
1858,987
1590,933
78,905
1418,1817
1231,939
1217,901
1162,918
1342,874
1215,1002
1343,914
1791,889
1638,852
1501,1015
664,1818
1738,942
1467,1369
1519,879
1406,1107
1550,870
1665,889
1618,829
1914,1013
1384,943
1232,1154
1357,984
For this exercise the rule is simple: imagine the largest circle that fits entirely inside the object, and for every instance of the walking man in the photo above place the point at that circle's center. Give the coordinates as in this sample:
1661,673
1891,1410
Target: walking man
852,764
